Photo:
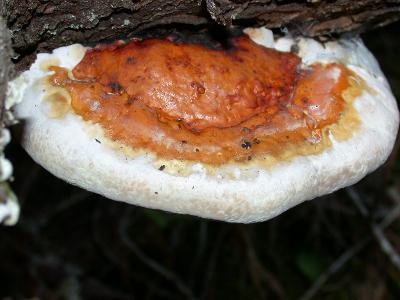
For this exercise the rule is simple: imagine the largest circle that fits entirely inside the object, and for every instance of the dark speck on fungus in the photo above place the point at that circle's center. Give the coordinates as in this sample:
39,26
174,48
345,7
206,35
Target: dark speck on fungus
115,87
246,145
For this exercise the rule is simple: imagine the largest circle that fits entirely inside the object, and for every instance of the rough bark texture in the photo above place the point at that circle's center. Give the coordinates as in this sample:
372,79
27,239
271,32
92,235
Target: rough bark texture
311,17
43,25
9,209
5,64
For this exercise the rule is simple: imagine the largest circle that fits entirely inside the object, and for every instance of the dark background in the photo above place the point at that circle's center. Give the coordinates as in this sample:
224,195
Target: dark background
72,244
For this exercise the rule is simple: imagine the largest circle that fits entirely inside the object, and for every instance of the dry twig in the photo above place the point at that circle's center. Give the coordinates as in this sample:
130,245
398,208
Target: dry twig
339,263
151,263
209,269
376,232
377,229
257,270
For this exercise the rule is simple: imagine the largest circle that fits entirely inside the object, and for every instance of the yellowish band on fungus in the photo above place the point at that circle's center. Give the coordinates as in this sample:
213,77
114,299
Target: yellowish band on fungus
61,91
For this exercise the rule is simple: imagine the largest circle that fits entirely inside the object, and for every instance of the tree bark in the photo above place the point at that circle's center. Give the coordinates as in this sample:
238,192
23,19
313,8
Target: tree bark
9,208
311,17
6,67
38,25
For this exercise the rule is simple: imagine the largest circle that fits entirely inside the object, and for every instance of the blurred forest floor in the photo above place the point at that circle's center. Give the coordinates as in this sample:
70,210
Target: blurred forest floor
72,244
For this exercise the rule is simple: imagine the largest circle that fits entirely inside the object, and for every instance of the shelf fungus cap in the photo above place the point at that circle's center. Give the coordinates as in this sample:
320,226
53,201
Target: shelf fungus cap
84,152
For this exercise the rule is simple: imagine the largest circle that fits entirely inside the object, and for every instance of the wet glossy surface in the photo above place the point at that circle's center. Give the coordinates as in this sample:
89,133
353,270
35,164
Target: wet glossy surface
189,102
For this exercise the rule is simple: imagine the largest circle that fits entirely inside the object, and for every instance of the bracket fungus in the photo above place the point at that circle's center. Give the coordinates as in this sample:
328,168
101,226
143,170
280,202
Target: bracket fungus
239,134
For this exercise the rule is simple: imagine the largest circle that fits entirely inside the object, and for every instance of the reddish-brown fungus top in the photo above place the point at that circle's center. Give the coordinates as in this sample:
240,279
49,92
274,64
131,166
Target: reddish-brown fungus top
186,101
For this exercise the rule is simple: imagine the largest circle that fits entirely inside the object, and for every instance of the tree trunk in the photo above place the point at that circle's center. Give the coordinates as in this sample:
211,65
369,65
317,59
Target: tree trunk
5,64
38,25
9,209
311,17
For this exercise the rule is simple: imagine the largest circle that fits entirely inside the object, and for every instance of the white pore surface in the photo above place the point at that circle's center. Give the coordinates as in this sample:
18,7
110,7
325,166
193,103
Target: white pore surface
65,147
